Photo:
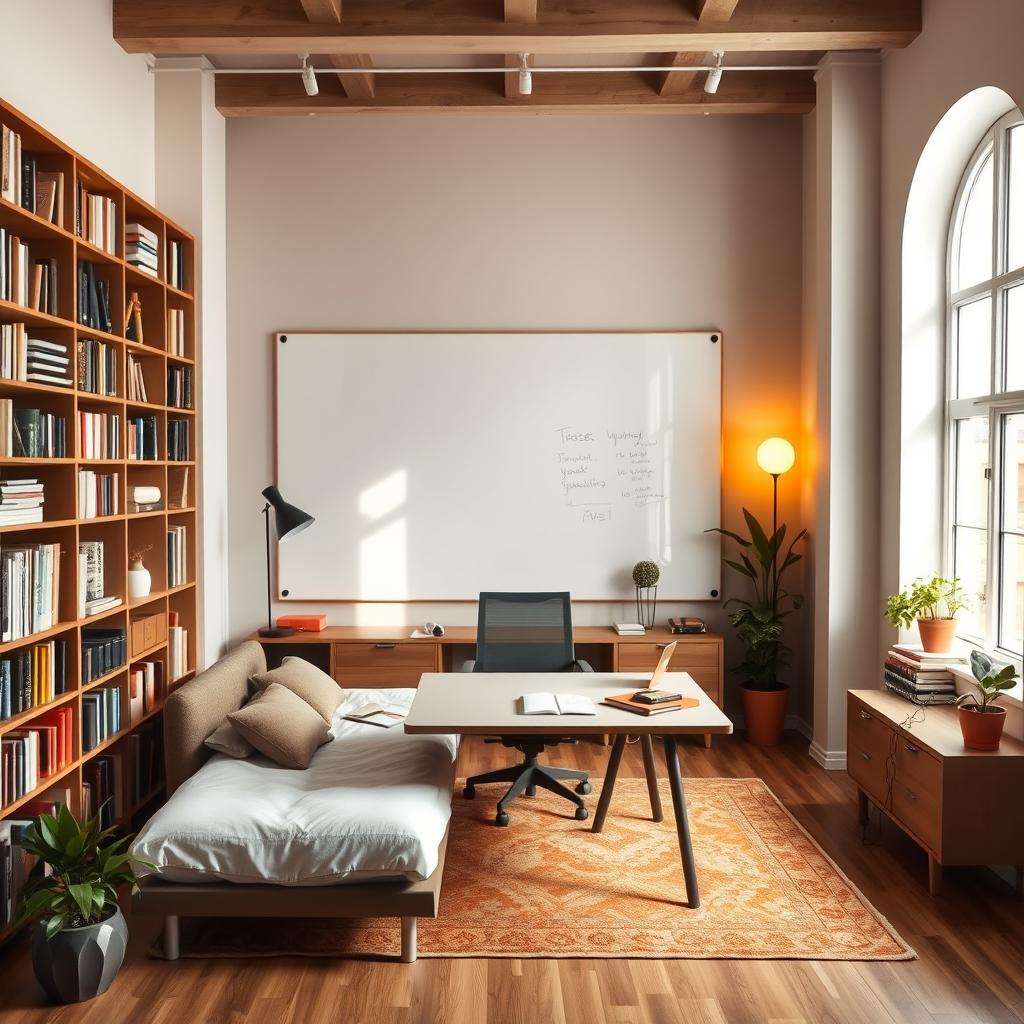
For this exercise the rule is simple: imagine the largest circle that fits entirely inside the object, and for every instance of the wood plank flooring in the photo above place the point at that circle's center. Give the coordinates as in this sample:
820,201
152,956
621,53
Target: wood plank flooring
970,941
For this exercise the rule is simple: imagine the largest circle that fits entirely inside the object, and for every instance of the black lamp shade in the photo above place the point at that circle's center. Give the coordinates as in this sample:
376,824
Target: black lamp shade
288,519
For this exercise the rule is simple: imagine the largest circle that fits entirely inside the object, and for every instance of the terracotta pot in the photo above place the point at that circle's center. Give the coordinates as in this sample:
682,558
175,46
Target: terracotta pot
765,713
937,635
982,730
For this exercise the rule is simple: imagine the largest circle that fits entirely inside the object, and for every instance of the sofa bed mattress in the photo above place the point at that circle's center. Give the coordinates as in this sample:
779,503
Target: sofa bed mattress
373,805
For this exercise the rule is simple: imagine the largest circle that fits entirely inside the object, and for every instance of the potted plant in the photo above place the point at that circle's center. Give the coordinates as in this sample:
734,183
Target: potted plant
981,722
933,602
79,944
760,626
645,576
140,580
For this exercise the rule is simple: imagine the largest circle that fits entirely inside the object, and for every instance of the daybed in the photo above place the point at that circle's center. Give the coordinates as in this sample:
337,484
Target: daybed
362,832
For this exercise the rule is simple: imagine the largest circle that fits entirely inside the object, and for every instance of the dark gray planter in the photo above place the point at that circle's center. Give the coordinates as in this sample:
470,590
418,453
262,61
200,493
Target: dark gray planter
79,963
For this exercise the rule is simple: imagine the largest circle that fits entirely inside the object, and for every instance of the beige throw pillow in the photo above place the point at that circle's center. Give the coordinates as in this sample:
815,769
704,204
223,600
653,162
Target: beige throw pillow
316,688
281,725
226,739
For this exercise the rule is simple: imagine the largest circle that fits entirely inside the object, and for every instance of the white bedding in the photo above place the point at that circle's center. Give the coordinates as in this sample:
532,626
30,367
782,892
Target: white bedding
373,804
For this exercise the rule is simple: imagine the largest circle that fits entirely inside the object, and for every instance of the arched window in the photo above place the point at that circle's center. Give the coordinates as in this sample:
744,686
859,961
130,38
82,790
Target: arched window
985,389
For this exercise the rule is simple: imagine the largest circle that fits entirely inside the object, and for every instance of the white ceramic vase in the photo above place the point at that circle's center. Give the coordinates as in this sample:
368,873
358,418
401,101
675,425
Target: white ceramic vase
140,582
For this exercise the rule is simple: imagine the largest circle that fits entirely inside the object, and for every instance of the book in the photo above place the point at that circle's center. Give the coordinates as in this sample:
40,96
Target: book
378,714
918,654
50,196
629,629
557,704
626,702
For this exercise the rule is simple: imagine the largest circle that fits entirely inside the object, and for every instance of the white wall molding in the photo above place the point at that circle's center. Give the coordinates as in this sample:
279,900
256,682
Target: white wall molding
830,760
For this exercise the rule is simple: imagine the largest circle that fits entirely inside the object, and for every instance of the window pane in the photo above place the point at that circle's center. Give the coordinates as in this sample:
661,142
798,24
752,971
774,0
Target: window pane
1011,617
971,497
974,349
1013,472
1014,317
970,563
1015,200
973,261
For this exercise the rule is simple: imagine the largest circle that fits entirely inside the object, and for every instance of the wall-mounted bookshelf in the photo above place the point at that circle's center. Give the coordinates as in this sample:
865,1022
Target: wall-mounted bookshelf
98,363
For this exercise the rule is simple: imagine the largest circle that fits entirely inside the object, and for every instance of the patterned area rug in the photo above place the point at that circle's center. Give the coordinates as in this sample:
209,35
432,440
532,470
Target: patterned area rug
547,887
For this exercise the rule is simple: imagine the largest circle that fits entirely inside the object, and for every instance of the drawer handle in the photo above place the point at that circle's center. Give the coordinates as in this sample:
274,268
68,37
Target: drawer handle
911,749
865,716
867,757
385,647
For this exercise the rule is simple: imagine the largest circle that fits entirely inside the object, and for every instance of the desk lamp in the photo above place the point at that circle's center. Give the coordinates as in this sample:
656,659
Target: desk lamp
289,522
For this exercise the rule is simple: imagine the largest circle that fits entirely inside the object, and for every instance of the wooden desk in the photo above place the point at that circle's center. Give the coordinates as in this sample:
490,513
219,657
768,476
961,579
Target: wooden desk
487,704
387,656
961,806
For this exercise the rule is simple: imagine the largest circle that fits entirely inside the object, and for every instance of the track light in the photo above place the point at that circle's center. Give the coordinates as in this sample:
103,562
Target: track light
525,75
309,77
715,74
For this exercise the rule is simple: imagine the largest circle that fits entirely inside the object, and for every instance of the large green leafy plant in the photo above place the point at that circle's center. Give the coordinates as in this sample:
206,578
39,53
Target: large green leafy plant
990,682
759,621
86,867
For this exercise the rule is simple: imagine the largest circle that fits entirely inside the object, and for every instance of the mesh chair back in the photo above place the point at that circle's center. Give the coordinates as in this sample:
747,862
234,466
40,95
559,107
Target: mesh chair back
524,633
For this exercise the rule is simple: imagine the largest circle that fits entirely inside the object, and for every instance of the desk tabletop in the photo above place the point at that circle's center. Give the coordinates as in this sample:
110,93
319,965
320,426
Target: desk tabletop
487,703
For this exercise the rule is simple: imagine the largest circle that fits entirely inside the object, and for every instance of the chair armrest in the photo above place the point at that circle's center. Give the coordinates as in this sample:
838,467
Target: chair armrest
469,666
582,666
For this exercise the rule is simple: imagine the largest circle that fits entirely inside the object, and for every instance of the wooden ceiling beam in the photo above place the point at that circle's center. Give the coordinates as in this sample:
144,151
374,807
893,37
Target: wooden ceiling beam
357,86
752,93
322,10
470,27
677,83
517,12
716,10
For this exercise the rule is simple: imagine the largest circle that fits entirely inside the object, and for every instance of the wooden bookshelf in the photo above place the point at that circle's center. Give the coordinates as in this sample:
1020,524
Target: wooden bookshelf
124,530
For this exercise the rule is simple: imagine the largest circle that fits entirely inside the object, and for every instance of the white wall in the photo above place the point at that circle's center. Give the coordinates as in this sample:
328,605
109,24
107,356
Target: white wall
499,223
60,66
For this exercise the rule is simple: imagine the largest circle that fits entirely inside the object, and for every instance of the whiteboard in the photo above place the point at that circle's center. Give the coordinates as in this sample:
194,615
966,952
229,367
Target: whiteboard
441,465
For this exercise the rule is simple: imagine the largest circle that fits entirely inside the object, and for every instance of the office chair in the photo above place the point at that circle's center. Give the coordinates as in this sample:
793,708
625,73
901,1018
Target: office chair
527,633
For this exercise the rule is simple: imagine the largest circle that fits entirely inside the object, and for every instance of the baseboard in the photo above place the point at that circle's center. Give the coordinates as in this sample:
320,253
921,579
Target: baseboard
793,723
830,760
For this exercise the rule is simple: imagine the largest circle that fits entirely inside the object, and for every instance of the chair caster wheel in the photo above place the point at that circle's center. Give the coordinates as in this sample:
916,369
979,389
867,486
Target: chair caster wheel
530,791
469,792
501,818
583,788
582,814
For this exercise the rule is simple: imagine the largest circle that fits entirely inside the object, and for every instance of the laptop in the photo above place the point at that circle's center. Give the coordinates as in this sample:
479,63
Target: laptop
662,667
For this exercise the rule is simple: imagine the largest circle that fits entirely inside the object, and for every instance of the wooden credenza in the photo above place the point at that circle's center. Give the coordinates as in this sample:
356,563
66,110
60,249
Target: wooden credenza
962,806
388,656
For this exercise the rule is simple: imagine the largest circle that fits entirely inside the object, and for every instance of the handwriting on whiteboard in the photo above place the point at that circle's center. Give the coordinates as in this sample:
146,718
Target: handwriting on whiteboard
604,473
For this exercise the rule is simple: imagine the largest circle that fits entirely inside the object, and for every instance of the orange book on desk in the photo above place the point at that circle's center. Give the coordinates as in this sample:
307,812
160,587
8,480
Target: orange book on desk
303,623
626,702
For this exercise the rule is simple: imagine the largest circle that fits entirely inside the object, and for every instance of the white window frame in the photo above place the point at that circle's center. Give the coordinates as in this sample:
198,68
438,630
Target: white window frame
999,403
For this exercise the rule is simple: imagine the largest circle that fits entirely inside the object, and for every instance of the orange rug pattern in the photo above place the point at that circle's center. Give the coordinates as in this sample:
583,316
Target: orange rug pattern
548,887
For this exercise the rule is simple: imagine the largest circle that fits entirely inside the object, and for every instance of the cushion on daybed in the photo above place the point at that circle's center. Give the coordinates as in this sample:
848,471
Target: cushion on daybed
281,725
374,804
305,680
226,739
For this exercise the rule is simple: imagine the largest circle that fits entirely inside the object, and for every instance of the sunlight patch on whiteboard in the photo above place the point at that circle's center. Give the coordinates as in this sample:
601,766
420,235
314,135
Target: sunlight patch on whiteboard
383,569
384,497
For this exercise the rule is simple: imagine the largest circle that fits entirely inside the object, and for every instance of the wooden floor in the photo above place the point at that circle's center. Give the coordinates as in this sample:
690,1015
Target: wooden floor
970,941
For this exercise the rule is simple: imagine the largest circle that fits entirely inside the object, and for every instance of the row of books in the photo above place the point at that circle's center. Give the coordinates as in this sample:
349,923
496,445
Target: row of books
142,442
93,298
177,646
145,687
95,218
21,501
15,861
32,754
29,590
98,494
103,650
30,433
179,387
26,282
99,435
921,676
176,264
178,440
92,596
177,565
27,185
176,332
141,248
101,716
32,677
147,759
136,380
97,367
103,789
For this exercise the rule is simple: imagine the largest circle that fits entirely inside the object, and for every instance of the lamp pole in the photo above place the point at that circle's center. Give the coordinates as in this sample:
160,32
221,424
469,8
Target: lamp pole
266,523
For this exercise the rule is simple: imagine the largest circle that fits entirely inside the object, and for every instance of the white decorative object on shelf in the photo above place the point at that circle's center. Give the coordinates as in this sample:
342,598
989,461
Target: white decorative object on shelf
140,580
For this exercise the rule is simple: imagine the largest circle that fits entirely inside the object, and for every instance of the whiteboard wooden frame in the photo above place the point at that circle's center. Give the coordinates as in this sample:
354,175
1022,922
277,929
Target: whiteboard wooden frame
285,596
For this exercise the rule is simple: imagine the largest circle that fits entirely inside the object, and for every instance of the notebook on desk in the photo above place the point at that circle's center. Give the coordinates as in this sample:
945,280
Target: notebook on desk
557,704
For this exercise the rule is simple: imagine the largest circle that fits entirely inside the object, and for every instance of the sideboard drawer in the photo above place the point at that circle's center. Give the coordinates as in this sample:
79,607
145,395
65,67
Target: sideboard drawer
687,656
918,810
382,664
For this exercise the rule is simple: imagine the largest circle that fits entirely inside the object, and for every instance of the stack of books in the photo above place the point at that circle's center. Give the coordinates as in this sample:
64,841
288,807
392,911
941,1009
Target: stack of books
13,352
136,380
30,433
179,386
630,629
103,650
178,440
92,599
101,715
93,298
34,753
140,248
177,563
29,590
142,439
99,435
97,494
21,501
920,676
176,332
46,362
97,367
96,218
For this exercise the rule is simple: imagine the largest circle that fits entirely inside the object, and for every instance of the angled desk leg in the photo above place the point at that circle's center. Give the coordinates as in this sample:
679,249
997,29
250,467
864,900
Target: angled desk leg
618,745
647,747
675,780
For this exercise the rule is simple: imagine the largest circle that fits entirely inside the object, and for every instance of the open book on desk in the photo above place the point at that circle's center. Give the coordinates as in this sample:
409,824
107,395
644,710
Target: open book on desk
557,704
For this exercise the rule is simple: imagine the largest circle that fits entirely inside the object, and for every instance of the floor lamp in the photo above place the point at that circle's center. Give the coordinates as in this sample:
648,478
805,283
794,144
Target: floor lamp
289,522
775,456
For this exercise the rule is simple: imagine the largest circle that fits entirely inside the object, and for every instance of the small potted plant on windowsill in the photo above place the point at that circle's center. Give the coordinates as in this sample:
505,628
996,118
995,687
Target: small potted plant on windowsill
933,602
79,944
981,722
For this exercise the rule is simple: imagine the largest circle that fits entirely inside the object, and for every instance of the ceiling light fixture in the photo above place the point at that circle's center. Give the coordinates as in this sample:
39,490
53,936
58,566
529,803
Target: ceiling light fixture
525,75
715,74
309,82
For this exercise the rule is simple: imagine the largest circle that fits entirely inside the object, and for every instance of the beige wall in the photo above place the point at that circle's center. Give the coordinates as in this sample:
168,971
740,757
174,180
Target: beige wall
513,223
60,66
